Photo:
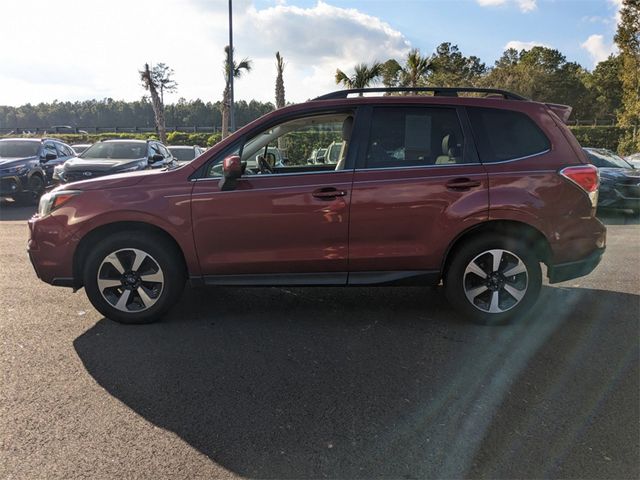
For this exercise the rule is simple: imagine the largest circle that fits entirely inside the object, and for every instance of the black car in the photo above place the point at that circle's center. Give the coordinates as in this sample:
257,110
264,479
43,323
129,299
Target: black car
27,164
619,180
114,156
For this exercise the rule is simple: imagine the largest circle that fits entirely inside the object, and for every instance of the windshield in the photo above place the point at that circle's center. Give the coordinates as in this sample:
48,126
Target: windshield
80,148
606,159
183,154
116,150
18,148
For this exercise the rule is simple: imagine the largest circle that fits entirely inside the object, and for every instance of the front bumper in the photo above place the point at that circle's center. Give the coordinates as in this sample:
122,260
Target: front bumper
51,247
12,185
619,195
562,272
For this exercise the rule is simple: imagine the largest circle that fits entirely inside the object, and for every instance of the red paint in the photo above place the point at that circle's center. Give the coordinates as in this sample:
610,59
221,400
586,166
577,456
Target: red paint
385,219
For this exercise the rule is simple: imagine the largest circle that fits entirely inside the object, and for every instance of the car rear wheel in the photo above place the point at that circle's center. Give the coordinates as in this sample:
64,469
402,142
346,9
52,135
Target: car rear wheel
493,280
133,278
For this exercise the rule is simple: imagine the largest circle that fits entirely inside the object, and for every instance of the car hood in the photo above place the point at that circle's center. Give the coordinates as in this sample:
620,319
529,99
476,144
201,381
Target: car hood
10,161
619,173
117,180
98,164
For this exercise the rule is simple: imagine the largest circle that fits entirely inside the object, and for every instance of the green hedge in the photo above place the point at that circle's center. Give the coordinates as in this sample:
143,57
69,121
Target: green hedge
600,137
173,138
613,138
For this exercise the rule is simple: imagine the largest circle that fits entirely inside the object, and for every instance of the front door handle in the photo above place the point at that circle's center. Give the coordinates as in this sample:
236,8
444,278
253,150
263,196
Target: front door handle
462,184
328,193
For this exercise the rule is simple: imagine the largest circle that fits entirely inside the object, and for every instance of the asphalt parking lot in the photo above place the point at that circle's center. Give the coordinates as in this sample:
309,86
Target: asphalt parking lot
321,382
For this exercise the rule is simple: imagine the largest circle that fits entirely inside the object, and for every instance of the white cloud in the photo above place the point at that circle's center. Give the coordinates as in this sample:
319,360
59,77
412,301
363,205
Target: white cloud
617,5
101,57
520,45
597,48
524,5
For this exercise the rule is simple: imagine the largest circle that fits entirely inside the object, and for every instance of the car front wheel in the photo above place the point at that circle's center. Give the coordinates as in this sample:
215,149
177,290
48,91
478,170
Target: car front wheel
134,278
493,279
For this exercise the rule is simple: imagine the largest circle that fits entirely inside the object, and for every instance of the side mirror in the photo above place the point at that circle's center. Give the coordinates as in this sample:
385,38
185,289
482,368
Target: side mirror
231,172
49,156
156,158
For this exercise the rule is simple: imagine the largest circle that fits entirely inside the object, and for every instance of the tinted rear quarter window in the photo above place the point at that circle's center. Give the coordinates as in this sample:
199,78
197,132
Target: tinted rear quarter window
503,135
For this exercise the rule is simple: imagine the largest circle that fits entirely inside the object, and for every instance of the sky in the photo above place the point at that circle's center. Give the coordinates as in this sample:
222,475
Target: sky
84,49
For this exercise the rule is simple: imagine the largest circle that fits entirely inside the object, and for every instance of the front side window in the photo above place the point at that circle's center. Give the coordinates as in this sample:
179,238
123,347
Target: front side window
50,149
414,136
305,145
505,135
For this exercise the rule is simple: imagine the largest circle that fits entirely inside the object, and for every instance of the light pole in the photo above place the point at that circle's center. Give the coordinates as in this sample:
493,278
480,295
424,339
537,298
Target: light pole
232,117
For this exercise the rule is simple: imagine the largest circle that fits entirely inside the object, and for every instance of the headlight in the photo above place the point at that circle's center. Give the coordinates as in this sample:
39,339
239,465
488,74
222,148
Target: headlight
52,200
58,172
15,170
138,166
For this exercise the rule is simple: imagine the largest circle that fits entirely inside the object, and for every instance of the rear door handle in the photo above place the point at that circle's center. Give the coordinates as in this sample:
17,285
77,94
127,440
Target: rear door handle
462,184
328,193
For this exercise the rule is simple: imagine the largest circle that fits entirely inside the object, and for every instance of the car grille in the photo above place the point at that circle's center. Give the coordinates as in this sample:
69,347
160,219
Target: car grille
80,175
629,191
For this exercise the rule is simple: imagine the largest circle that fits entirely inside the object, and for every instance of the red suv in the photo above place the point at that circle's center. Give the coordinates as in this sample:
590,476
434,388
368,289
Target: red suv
471,191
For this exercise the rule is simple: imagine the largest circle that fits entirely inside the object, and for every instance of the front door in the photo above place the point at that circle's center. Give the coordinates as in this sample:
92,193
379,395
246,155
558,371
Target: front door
417,184
287,219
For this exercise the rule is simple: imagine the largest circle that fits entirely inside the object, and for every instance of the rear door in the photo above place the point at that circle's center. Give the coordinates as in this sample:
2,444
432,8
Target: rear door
417,184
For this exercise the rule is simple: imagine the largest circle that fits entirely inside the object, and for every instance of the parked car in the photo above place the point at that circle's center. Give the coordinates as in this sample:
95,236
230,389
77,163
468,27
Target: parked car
184,153
80,147
619,180
26,166
114,156
472,192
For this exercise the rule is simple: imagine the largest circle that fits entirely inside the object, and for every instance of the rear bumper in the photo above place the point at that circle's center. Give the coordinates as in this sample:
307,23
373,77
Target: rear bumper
562,272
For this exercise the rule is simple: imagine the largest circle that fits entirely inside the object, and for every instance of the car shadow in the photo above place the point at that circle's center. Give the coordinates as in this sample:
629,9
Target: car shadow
12,211
362,382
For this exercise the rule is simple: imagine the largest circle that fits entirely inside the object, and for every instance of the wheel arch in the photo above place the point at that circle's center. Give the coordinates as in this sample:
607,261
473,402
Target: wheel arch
509,228
105,230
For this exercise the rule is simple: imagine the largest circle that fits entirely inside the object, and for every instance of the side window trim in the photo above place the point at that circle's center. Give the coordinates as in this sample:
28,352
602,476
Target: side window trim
356,135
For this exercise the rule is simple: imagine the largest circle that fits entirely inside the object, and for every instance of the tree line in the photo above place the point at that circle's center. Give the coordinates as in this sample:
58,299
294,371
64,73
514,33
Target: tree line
611,91
119,113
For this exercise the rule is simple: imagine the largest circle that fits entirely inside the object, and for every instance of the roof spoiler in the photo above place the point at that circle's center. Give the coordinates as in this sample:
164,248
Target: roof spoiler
562,111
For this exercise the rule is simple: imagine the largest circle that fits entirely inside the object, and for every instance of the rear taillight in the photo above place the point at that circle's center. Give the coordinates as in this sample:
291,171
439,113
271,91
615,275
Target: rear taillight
587,178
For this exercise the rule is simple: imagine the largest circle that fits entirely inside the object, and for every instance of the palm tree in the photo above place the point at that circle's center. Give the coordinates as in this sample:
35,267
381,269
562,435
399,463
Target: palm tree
363,75
412,74
156,81
415,69
238,69
279,81
280,102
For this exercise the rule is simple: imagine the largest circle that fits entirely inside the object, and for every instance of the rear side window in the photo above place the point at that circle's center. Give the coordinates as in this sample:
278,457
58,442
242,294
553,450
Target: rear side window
414,136
502,135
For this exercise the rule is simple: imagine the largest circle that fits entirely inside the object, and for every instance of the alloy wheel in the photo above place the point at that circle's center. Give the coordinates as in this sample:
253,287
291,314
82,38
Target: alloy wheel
495,281
130,280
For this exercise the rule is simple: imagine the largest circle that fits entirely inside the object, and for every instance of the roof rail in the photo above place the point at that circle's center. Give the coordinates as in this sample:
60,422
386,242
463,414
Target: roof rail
437,92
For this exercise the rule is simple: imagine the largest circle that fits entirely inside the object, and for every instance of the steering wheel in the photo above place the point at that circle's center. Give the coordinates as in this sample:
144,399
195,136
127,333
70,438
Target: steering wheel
263,165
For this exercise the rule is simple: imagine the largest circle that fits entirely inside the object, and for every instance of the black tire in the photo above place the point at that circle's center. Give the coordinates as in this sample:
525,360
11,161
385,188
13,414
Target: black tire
35,189
461,282
161,256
